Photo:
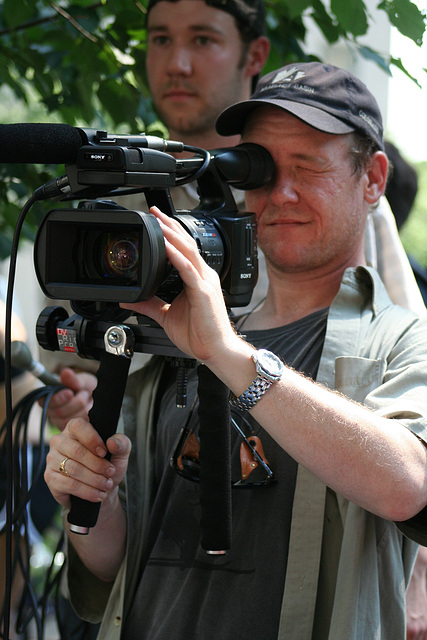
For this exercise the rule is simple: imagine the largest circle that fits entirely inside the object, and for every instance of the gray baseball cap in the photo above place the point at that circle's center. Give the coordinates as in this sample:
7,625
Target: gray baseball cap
325,97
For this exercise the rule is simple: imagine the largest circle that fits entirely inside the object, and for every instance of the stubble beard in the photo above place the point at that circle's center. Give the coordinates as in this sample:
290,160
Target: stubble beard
183,125
311,257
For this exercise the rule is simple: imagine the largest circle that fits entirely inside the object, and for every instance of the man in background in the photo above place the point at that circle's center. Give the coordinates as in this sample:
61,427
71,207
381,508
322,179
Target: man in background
201,57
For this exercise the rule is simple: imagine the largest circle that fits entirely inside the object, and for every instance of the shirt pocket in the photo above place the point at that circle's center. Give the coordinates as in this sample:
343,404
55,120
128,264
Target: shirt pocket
355,377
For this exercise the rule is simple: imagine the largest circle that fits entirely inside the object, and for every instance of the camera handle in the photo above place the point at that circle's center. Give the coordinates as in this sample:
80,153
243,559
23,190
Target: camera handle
215,463
86,337
104,414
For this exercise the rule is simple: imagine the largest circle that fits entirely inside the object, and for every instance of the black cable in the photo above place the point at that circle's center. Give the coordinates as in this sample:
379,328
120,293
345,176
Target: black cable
33,606
8,396
20,416
17,487
194,175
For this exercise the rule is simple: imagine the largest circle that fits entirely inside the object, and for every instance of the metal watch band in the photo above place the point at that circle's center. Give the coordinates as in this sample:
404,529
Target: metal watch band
253,393
269,369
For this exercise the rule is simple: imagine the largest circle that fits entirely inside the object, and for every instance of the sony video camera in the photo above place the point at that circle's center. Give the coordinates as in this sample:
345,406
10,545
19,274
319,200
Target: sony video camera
100,254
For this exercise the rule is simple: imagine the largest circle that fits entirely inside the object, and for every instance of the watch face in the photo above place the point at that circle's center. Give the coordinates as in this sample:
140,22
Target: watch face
269,363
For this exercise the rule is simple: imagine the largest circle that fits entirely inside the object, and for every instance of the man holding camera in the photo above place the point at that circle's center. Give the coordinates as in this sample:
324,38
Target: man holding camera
325,550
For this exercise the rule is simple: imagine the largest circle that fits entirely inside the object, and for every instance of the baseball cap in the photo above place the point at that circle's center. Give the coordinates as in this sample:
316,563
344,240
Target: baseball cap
325,97
251,13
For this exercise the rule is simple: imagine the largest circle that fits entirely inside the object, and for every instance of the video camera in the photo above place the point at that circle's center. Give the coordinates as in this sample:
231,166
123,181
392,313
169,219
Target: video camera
104,254
100,254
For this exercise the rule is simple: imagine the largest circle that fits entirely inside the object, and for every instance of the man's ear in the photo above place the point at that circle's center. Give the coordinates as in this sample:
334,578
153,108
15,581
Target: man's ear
376,172
257,56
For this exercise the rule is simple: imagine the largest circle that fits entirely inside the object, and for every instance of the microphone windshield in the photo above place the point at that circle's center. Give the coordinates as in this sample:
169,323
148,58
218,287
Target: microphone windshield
39,143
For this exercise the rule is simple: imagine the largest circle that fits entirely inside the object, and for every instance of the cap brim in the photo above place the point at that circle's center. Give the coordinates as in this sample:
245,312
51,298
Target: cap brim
232,120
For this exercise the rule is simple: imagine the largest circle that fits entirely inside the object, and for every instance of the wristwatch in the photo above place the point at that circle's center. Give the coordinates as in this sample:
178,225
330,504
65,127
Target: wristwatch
269,369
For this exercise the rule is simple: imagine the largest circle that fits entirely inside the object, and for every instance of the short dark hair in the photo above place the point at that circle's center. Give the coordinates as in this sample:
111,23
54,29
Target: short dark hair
362,148
249,15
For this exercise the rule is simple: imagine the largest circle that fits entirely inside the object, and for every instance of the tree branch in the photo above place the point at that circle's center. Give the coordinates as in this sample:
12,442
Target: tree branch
35,23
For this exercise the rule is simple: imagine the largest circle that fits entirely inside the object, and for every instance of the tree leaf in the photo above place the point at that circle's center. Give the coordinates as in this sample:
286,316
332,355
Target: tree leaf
406,17
370,54
397,62
330,29
297,7
351,15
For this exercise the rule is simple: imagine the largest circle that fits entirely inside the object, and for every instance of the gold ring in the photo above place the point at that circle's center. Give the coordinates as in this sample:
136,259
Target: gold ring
62,468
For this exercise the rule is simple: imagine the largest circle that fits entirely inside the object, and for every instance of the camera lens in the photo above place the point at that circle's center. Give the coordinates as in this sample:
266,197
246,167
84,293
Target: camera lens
119,255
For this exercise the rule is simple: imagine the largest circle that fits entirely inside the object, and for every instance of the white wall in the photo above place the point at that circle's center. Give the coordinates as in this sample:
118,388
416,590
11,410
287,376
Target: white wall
28,297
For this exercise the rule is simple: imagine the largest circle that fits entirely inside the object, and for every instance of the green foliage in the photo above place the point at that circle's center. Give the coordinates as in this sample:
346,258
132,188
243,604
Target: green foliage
82,62
351,15
414,231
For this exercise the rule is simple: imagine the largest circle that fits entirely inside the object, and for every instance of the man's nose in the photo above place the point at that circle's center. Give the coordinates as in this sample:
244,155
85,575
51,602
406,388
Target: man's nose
284,190
180,61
